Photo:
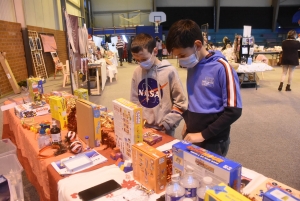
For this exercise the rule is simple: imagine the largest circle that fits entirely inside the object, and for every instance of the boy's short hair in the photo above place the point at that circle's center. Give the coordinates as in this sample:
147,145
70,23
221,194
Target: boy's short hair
183,34
142,41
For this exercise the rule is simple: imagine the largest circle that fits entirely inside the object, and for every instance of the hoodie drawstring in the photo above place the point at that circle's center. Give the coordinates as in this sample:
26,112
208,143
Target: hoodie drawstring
158,86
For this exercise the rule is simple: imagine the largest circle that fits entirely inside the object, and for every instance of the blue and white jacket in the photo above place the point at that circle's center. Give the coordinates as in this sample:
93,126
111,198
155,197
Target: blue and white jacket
214,98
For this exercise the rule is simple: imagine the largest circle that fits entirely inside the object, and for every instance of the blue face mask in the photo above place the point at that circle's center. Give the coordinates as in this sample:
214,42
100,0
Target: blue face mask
147,64
190,61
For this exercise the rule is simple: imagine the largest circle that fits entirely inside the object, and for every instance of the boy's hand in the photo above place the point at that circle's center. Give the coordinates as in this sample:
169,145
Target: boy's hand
194,137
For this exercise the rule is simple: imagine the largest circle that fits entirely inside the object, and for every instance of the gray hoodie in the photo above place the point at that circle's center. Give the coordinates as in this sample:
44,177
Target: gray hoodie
159,109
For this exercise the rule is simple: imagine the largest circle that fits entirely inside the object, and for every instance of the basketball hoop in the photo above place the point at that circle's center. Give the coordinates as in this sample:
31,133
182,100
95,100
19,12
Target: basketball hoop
157,18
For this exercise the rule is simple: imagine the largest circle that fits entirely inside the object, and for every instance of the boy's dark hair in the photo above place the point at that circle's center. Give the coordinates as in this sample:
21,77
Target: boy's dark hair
143,41
183,34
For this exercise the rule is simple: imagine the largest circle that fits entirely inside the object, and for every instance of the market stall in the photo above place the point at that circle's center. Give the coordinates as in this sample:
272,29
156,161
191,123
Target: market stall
54,182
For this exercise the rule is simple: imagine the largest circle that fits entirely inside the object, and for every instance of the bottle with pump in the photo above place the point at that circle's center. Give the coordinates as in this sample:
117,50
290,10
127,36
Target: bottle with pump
43,140
174,191
207,181
55,135
190,183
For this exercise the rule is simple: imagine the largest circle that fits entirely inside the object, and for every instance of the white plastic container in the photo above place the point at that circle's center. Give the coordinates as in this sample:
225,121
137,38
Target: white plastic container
7,147
190,183
202,190
11,169
174,191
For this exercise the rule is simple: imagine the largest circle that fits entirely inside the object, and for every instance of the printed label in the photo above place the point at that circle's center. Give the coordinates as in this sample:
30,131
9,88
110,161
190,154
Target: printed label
190,192
171,198
56,137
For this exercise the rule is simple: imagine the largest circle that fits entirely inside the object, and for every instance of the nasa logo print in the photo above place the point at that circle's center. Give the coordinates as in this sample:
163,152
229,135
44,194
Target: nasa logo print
152,93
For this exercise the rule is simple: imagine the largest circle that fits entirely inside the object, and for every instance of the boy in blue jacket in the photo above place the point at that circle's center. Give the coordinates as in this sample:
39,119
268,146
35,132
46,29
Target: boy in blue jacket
214,100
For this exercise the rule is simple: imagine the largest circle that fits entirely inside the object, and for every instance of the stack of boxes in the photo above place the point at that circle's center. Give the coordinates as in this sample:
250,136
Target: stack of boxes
128,125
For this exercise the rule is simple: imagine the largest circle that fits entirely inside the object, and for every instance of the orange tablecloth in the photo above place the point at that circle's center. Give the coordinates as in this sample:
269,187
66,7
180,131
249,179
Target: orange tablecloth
40,172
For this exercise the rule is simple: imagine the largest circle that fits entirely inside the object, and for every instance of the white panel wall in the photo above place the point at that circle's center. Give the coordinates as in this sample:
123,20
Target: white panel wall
114,5
184,3
109,20
7,11
41,13
72,10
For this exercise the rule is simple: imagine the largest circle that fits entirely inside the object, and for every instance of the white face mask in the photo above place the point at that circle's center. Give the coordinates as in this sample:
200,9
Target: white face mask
147,64
190,61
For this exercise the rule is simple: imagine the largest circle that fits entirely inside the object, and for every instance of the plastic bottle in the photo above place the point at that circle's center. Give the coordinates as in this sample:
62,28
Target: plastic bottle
87,142
249,62
202,190
43,139
190,183
55,135
174,191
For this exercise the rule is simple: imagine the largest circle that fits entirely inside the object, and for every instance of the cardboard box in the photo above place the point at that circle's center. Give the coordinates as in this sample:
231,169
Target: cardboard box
88,121
58,108
35,86
81,94
222,192
26,111
206,163
277,194
128,125
149,167
269,184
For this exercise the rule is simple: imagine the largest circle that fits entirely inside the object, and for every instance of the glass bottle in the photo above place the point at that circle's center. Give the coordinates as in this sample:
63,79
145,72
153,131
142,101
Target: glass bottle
55,135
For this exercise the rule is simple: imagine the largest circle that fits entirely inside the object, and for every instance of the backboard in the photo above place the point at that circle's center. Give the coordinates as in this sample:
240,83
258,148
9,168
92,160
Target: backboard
157,18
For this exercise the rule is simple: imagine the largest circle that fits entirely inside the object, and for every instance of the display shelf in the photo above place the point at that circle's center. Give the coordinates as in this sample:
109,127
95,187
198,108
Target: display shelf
37,54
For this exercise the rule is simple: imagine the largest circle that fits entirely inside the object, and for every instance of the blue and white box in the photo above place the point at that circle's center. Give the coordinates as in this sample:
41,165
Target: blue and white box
277,194
206,164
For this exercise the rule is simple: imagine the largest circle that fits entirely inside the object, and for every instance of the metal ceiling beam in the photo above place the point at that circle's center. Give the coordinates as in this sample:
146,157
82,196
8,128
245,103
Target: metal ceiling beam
119,11
216,15
275,4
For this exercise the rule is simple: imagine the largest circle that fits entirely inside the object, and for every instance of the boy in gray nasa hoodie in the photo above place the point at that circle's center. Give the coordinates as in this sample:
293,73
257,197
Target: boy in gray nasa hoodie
156,87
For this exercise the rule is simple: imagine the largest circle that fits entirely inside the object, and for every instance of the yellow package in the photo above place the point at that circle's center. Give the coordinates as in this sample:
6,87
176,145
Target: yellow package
81,94
222,192
58,109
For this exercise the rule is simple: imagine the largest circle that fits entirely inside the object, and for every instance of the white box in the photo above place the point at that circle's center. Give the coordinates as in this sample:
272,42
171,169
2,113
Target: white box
25,110
128,123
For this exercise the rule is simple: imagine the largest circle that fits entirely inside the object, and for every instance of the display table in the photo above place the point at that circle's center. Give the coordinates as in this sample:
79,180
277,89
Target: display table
40,172
273,54
253,68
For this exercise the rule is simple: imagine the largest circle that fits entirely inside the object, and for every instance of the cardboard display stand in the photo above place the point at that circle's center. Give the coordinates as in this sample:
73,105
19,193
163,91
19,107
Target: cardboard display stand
9,74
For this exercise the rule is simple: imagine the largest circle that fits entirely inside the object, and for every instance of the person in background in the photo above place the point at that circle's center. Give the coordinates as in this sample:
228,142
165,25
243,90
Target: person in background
156,87
225,42
214,99
298,38
128,49
120,48
289,61
159,47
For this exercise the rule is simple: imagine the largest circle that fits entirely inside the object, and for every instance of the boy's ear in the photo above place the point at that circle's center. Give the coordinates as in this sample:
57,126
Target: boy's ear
155,51
198,44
